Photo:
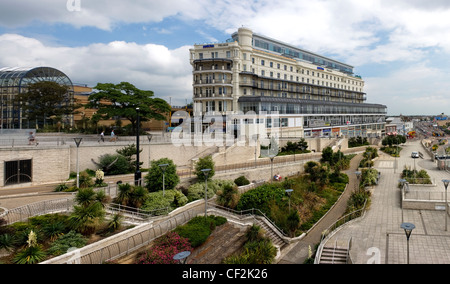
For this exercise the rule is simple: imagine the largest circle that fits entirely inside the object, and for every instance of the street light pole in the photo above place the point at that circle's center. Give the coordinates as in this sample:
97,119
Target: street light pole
408,227
137,174
446,183
78,142
289,193
163,169
206,173
271,168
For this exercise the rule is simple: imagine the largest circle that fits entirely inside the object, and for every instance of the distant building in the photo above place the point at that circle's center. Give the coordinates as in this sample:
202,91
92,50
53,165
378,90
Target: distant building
313,96
14,81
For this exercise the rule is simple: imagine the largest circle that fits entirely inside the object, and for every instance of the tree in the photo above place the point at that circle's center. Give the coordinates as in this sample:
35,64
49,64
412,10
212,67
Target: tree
204,163
122,100
154,178
46,99
128,152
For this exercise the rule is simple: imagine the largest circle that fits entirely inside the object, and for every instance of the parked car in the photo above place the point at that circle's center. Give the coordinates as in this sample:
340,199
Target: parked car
415,155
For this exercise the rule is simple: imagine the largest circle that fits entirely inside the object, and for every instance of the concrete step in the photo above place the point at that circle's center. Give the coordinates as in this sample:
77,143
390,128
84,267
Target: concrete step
334,255
224,241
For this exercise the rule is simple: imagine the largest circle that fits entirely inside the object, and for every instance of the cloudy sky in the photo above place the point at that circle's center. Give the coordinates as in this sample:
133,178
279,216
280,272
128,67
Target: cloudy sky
401,48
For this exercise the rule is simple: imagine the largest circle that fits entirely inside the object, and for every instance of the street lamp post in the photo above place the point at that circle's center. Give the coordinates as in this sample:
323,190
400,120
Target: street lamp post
408,227
271,167
206,173
137,174
289,193
163,169
446,183
78,142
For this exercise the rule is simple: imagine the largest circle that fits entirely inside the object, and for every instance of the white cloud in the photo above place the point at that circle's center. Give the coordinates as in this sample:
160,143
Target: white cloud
360,33
150,67
412,89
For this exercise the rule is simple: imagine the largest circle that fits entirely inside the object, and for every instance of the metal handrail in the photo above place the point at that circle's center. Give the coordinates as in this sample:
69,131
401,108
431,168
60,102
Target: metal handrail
250,212
335,225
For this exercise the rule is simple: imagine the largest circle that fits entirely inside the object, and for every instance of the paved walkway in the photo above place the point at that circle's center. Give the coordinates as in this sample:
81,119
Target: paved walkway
298,252
378,238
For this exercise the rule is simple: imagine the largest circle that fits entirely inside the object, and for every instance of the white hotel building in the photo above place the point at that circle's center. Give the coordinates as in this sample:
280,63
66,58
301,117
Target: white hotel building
313,96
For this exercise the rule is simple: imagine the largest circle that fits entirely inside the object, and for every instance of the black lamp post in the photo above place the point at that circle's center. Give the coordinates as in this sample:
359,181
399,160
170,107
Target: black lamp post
271,167
137,174
163,169
206,173
408,227
446,183
289,193
78,142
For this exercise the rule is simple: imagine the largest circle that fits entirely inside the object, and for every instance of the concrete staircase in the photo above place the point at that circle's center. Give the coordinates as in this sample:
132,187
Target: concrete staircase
224,241
334,255
274,237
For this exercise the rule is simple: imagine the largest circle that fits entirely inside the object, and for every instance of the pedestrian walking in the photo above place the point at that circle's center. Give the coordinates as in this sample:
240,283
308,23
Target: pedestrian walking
32,139
113,137
102,136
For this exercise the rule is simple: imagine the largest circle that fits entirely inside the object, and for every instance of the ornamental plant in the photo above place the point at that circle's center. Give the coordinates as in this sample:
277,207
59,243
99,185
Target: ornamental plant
164,249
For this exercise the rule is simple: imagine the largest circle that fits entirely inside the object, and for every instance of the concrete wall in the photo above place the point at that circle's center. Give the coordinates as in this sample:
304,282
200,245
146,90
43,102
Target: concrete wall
53,164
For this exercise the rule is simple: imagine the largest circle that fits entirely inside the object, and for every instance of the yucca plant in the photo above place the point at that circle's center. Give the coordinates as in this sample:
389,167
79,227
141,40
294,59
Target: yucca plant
54,230
32,253
7,242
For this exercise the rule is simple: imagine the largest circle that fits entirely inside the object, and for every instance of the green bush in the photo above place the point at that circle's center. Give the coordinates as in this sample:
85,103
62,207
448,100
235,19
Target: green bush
242,180
198,229
228,196
257,249
172,199
70,240
121,166
197,190
261,197
154,178
204,163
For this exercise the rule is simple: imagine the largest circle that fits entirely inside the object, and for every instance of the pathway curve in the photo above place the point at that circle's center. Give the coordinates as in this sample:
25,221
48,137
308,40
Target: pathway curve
378,238
297,253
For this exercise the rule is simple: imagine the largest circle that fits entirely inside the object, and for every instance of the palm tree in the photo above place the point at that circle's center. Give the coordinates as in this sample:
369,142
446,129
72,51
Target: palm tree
86,220
89,212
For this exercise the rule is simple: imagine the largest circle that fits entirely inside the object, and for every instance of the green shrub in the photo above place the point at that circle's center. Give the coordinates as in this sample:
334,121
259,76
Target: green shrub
70,240
30,255
260,198
154,178
172,199
257,249
228,196
242,180
198,229
204,163
121,166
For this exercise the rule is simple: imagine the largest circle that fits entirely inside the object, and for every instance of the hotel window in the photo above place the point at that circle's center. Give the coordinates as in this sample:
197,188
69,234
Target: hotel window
262,62
271,64
200,56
